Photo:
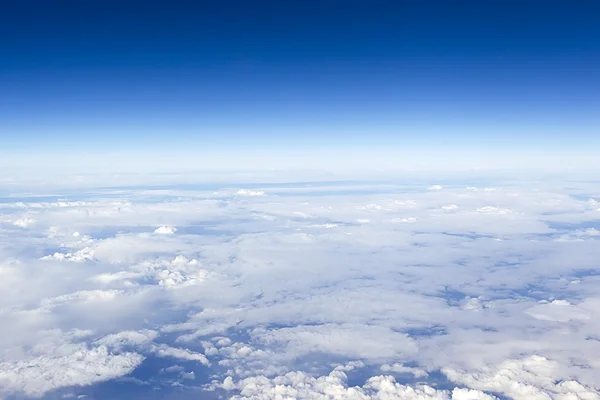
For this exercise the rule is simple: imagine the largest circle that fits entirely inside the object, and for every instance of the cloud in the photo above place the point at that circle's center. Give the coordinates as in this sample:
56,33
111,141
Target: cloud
470,394
82,296
557,310
355,341
144,340
182,354
402,369
178,272
386,284
408,220
85,254
188,375
126,339
450,207
248,192
529,378
165,230
60,362
24,222
490,210
299,385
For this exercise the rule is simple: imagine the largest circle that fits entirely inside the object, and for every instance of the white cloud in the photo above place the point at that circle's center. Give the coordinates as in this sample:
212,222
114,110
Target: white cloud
531,378
371,343
174,369
24,222
450,207
248,192
144,340
470,394
62,363
82,296
473,304
82,367
182,354
435,187
188,375
557,310
408,220
85,254
125,339
279,288
399,368
165,230
490,210
299,385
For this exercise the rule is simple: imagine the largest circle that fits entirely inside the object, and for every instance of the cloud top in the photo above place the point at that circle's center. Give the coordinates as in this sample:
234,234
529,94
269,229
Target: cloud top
338,290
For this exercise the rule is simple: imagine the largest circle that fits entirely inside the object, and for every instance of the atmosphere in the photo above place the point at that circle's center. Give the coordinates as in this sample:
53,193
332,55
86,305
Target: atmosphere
86,80
299,200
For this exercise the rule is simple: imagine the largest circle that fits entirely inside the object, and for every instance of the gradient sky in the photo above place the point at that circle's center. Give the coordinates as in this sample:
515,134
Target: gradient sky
88,77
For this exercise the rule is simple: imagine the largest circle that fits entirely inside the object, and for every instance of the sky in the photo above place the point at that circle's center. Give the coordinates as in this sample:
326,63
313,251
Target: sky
299,83
312,200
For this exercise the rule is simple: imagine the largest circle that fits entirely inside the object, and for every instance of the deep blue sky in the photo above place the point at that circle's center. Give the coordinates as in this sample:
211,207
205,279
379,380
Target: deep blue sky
90,75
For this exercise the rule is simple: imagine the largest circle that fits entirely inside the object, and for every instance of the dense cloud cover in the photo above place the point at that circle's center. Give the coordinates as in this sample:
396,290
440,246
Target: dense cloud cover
433,290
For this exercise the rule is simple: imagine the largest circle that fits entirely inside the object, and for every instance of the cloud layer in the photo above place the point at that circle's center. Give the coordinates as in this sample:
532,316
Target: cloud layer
470,290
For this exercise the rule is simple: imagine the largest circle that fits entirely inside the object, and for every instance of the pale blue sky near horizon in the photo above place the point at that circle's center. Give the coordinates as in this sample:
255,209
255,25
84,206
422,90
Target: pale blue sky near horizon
298,79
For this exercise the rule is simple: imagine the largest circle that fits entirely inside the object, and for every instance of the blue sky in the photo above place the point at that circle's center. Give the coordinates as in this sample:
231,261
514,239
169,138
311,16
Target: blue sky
233,77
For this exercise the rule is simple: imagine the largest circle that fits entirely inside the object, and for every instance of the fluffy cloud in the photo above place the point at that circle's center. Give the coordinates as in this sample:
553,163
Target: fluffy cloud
85,254
24,222
299,385
386,285
165,230
58,360
83,366
145,340
532,378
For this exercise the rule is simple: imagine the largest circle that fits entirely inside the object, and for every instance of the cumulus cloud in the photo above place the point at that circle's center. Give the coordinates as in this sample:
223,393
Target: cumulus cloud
400,368
299,385
57,362
24,222
144,340
165,230
529,378
85,254
82,367
386,285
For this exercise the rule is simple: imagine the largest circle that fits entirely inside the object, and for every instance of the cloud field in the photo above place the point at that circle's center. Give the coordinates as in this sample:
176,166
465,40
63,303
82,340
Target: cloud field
431,290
